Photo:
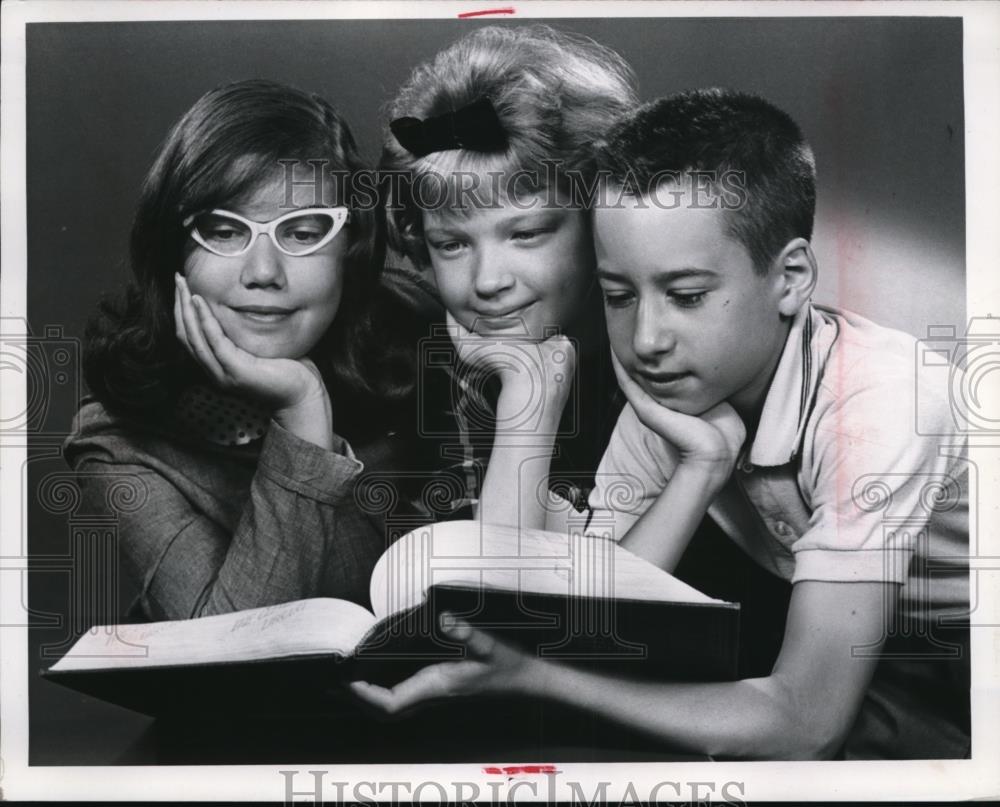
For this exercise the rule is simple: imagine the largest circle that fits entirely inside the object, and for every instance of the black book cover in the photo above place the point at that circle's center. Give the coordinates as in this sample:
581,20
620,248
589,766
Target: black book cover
653,640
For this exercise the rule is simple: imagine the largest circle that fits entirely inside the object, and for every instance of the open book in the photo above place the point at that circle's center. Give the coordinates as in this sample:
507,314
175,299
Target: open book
568,597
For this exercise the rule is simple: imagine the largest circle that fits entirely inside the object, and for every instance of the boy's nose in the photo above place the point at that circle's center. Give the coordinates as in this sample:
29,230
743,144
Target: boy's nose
491,274
652,336
263,264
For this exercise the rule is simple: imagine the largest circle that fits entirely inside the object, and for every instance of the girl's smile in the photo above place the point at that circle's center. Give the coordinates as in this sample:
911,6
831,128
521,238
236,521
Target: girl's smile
512,268
264,314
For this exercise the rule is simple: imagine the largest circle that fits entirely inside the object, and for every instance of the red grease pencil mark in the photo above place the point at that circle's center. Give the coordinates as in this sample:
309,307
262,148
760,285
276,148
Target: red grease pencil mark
467,14
514,770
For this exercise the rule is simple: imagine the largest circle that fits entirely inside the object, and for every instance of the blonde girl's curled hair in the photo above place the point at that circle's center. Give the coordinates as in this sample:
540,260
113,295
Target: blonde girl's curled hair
554,93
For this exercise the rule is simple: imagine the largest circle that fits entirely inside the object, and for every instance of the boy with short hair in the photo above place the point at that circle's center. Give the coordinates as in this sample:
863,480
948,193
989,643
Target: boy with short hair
707,271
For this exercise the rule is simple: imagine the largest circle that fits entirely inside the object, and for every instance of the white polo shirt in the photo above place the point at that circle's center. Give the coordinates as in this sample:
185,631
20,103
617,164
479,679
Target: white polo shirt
837,484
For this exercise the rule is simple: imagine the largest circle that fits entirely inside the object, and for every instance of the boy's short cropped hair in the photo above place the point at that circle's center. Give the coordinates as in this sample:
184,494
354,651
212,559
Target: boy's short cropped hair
727,137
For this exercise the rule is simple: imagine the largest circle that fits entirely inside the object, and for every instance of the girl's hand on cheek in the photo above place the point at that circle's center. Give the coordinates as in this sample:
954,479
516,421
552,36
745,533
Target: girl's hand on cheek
291,388
709,442
490,666
277,383
530,372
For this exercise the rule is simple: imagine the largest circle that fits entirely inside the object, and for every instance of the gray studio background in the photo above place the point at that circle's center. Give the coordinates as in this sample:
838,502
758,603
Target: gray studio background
881,101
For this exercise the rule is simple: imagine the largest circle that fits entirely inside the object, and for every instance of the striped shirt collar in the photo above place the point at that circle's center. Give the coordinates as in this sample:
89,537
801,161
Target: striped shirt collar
792,393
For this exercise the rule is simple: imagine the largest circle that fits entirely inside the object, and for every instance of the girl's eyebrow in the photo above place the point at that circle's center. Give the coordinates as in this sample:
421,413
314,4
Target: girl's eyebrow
531,215
437,232
539,218
527,218
614,277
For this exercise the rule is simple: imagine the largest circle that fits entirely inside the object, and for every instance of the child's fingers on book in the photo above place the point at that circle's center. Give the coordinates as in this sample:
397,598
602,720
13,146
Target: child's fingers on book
365,689
374,695
454,627
428,684
479,643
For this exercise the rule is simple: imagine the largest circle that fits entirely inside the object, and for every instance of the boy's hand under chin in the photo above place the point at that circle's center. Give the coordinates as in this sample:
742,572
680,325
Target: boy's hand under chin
490,667
708,444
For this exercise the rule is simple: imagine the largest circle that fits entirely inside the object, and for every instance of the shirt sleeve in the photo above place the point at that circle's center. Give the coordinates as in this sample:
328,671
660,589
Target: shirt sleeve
634,470
876,485
299,517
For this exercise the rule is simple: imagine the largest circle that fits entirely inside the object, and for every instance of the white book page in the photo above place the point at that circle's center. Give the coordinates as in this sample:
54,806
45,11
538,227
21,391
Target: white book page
290,629
536,561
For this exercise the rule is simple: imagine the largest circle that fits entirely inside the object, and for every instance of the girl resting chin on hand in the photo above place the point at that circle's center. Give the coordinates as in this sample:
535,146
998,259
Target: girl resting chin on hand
211,378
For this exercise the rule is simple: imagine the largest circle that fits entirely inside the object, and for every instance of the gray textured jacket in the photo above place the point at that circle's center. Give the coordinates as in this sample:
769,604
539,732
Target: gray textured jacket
207,529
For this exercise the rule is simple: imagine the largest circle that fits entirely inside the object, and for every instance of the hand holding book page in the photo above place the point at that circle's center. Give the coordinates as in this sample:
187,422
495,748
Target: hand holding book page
573,596
574,567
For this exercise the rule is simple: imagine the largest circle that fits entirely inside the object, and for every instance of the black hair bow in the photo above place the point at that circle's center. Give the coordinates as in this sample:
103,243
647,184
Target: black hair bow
475,127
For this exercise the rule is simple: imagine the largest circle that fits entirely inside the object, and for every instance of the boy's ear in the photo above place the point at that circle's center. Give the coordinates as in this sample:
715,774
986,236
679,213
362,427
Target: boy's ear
798,273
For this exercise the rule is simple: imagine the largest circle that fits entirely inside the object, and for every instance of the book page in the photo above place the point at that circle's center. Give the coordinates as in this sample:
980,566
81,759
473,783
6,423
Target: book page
289,629
537,561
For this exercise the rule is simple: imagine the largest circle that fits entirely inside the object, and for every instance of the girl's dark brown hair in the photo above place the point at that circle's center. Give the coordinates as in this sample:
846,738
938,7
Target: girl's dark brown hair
231,141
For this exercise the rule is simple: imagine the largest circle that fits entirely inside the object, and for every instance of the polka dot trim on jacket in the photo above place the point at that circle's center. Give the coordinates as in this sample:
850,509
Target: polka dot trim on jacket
224,419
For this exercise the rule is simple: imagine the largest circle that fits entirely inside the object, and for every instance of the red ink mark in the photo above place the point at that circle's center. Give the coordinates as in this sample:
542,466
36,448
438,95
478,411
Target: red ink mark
514,770
466,14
